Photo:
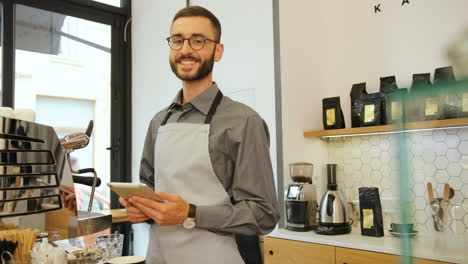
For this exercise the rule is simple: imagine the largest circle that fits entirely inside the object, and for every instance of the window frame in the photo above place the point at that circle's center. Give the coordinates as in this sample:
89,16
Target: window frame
117,18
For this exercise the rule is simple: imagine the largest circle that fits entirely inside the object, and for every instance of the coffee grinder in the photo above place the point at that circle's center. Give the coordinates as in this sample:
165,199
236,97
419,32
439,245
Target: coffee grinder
301,198
334,217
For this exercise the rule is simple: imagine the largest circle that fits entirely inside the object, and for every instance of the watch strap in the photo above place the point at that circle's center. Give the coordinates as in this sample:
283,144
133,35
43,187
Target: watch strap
192,211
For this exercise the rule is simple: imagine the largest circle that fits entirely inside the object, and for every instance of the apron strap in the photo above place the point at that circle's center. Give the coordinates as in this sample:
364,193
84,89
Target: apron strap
214,106
209,116
168,114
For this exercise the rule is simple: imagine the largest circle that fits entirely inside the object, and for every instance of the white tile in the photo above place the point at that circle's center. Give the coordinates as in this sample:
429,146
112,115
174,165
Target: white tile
365,145
439,135
440,148
464,177
416,138
374,151
464,161
356,153
458,227
452,141
442,176
376,164
418,162
386,192
453,155
419,189
456,183
427,132
454,169
429,156
463,133
429,169
384,145
375,176
366,158
395,163
464,191
428,142
457,212
374,140
420,217
384,157
418,176
441,162
463,147
357,164
465,219
451,131
366,170
385,170
356,141
416,149
347,147
457,198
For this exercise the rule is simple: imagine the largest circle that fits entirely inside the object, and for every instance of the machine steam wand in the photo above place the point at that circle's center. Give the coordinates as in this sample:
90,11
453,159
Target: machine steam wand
78,141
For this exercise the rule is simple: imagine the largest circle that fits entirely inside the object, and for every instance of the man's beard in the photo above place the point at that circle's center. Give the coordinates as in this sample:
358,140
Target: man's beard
205,68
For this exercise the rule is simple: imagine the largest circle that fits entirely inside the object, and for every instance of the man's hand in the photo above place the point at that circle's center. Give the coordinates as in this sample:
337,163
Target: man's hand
172,212
134,214
69,200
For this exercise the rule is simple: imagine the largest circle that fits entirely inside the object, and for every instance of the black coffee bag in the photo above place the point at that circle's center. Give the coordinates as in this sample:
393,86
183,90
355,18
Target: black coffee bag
371,109
395,105
387,84
332,114
357,90
370,212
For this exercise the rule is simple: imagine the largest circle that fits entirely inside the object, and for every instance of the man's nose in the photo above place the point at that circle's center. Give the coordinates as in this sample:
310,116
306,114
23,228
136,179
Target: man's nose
186,46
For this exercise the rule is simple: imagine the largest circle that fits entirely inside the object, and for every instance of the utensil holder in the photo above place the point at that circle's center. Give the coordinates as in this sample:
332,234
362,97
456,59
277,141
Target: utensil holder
440,217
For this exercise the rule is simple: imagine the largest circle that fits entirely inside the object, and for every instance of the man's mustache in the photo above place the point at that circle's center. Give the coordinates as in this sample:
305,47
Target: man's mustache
182,57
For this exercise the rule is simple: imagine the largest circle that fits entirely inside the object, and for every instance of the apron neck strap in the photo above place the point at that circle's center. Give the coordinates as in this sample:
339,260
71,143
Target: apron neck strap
209,116
214,106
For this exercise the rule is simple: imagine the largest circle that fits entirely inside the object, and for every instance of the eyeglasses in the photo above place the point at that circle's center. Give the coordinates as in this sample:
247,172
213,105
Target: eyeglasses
195,42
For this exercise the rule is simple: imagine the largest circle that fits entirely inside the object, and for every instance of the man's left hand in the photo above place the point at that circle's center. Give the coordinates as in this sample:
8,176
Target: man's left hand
173,211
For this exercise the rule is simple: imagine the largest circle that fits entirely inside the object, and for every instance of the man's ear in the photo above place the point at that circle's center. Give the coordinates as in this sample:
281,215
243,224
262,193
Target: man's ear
219,52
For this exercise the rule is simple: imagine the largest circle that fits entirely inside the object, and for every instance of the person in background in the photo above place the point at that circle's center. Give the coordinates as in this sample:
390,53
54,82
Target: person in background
208,157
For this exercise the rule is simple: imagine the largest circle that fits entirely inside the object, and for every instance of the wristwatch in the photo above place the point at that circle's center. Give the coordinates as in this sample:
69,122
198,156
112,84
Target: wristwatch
189,222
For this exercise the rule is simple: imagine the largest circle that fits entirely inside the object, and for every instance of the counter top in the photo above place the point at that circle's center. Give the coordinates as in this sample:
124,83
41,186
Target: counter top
447,247
118,215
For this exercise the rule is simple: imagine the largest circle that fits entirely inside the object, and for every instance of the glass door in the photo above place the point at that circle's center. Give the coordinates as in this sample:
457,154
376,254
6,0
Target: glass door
63,73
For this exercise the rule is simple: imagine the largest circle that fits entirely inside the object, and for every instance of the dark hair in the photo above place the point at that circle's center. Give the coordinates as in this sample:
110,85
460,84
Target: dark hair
198,11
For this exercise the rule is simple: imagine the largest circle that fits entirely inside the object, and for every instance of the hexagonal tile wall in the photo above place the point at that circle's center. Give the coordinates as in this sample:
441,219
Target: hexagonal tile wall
439,156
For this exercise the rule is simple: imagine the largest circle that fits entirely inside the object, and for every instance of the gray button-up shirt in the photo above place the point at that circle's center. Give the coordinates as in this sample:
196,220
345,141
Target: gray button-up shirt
238,146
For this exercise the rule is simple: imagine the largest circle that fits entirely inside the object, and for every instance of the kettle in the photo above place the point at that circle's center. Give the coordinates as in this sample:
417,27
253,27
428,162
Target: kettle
334,216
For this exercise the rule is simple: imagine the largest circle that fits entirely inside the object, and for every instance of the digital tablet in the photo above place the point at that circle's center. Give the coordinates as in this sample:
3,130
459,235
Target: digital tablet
127,190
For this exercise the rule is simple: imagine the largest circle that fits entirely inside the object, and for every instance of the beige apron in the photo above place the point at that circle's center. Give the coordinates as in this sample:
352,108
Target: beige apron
183,166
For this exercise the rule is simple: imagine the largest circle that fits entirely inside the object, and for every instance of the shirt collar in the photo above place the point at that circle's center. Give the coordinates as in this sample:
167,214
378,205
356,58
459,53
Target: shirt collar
202,102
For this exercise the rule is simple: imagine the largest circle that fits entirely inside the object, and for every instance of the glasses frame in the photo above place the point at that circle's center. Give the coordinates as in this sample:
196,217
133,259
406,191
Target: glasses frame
168,39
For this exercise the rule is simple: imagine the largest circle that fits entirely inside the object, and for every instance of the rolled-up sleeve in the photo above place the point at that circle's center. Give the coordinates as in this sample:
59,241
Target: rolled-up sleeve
254,208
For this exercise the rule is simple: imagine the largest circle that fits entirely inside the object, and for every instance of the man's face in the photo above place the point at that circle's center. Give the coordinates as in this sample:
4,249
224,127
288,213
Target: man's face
189,64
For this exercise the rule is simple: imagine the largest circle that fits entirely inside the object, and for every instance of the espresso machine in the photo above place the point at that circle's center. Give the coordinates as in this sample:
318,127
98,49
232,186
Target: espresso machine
301,198
334,217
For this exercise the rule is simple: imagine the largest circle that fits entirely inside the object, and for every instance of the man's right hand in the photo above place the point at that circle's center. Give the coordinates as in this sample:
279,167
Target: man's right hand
134,214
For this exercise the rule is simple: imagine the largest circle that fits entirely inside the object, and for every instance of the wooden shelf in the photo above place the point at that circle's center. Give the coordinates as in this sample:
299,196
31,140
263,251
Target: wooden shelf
446,123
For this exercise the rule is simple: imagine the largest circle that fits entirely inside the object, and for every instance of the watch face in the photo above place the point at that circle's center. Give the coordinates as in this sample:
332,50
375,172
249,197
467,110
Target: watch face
189,223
